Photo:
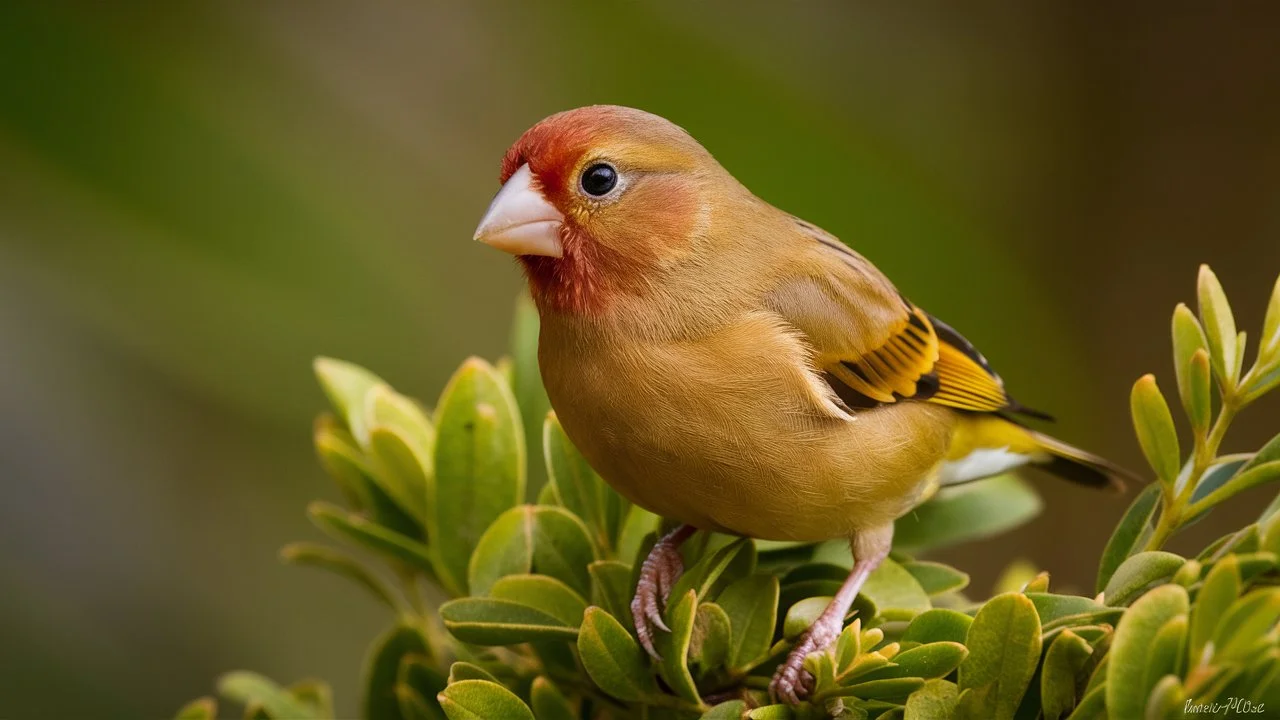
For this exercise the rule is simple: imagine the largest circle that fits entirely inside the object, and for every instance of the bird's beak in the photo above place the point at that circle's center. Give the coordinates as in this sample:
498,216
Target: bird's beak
520,221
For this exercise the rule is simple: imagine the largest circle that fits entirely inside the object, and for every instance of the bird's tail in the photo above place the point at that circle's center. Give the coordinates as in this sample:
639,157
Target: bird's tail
984,445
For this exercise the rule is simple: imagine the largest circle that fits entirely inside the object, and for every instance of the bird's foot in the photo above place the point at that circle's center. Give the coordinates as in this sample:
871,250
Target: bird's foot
658,574
791,683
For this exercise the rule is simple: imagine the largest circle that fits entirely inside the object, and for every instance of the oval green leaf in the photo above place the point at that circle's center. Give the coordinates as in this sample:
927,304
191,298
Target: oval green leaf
1063,663
1004,650
1153,424
1138,573
752,606
1126,688
479,465
544,593
1219,325
482,700
613,659
489,621
938,625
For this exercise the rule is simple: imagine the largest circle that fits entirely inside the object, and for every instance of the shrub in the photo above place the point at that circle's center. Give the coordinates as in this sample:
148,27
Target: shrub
503,609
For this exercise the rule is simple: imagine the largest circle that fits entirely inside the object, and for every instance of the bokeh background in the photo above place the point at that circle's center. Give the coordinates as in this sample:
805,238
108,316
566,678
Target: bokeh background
197,198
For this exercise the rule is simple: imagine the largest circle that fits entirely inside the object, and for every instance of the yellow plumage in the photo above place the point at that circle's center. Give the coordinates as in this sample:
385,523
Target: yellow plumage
730,366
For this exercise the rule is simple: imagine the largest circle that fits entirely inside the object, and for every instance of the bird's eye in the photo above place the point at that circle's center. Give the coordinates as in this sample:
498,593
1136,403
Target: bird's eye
599,179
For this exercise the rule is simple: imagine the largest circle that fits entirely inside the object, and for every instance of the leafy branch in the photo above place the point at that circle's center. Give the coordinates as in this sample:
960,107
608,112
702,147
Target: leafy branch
508,609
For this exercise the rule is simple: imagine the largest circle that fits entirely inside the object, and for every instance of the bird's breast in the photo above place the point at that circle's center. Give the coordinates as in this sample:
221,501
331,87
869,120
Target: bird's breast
733,431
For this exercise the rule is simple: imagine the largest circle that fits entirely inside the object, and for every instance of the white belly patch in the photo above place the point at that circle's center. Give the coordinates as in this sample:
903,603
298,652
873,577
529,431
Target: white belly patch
981,463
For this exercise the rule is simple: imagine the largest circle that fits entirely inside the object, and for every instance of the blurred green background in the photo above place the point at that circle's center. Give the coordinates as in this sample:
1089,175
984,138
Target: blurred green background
197,198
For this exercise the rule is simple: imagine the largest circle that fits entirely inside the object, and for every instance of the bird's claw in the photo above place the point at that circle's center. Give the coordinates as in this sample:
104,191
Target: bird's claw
792,683
659,573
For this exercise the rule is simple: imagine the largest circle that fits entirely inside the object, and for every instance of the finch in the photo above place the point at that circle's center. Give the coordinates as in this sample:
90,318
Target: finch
730,366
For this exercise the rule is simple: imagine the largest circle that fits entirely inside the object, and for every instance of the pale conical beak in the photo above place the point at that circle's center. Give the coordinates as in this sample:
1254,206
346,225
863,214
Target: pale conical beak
520,221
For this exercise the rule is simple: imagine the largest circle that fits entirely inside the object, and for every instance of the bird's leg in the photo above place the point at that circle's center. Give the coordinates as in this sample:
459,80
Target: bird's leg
791,682
657,575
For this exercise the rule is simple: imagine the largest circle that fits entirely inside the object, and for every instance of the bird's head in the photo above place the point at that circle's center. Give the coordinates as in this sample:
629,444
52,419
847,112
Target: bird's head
596,201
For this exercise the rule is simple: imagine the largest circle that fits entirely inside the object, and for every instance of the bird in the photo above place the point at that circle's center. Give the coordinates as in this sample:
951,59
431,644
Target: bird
736,369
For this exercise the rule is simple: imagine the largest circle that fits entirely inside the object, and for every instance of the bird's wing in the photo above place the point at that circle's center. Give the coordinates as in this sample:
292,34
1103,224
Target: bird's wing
874,345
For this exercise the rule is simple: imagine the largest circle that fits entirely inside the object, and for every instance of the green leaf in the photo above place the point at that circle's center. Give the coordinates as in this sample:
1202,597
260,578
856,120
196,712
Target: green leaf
1052,607
578,487
344,462
801,615
1248,477
526,382
732,710
613,659
1063,662
674,646
1197,397
1156,434
1138,573
489,621
1168,698
505,548
611,588
1130,535
936,578
1188,339
1245,623
361,487
935,700
544,593
382,669
1219,326
712,635
1126,688
346,384
895,689
205,708
967,512
549,703
562,548
482,700
342,564
249,688
938,625
1165,656
1269,341
933,660
752,606
895,592
402,471
342,525
479,465
384,407
1004,650
462,670
1220,589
